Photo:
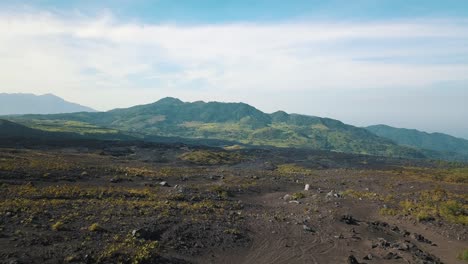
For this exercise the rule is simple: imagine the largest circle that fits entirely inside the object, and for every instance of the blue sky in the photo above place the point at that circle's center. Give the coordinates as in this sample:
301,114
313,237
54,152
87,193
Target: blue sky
215,11
402,63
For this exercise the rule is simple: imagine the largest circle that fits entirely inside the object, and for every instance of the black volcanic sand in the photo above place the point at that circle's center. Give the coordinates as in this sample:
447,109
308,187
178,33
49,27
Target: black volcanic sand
134,202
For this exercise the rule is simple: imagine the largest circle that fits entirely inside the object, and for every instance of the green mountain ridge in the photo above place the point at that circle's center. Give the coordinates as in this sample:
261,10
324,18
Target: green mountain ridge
10,129
233,122
437,142
26,129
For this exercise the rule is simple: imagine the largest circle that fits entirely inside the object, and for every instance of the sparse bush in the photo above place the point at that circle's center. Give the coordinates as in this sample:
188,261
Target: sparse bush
388,211
129,250
436,203
297,196
454,211
422,216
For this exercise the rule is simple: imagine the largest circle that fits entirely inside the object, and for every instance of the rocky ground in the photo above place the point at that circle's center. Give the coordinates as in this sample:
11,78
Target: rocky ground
133,202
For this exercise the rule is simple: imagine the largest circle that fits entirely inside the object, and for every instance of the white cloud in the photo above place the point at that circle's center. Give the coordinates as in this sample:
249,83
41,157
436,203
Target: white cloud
106,63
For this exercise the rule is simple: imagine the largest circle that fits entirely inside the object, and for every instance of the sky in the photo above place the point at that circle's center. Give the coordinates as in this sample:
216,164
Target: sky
364,62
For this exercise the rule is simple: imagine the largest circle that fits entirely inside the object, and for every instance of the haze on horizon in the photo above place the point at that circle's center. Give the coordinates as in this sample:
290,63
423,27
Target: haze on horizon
367,62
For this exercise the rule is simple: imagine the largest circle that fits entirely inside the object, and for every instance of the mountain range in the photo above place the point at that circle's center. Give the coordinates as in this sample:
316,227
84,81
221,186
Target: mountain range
19,104
239,123
438,142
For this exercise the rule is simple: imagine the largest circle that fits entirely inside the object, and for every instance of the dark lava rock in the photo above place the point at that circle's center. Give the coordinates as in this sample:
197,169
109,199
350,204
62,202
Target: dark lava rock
425,257
115,180
382,243
352,260
307,228
348,219
147,233
392,255
420,238
378,226
401,246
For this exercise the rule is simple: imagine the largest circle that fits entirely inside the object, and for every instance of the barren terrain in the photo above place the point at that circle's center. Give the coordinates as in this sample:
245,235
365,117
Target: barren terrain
133,202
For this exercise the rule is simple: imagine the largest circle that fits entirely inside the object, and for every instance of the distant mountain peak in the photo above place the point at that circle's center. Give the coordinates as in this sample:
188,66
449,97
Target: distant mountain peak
23,103
50,95
169,100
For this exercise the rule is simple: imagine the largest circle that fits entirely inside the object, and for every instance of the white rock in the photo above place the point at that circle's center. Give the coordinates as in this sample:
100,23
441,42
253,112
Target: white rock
306,188
163,183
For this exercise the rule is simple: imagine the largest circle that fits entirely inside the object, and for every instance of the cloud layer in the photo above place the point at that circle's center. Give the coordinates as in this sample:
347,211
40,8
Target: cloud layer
105,63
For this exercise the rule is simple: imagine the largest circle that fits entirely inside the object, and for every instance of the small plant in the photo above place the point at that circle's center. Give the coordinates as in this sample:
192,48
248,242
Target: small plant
95,228
58,226
232,231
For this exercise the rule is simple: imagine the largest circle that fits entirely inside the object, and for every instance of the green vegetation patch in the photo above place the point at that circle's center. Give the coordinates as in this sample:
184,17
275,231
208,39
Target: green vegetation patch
437,204
66,126
463,255
298,196
293,169
452,175
205,157
128,249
